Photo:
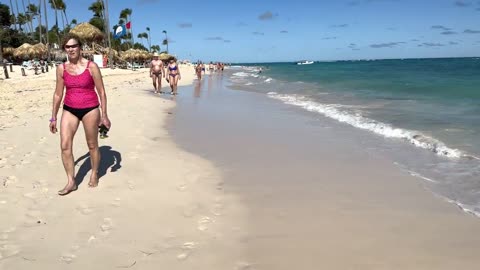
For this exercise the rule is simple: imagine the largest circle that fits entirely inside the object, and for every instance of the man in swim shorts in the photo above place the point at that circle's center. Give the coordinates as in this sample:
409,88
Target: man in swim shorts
156,73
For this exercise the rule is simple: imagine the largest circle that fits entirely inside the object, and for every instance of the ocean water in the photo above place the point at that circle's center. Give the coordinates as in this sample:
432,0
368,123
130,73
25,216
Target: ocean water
423,113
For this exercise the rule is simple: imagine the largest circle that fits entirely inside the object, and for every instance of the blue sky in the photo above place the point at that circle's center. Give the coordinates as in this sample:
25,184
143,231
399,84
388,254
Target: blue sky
282,30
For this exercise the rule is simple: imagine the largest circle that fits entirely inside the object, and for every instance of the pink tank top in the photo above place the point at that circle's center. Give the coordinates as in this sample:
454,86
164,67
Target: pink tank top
80,91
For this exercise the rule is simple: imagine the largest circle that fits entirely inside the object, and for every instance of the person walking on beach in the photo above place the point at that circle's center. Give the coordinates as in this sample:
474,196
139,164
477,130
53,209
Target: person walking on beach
80,77
156,73
173,74
198,70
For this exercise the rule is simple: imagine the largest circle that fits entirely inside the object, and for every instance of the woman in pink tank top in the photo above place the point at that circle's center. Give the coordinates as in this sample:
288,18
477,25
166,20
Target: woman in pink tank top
83,85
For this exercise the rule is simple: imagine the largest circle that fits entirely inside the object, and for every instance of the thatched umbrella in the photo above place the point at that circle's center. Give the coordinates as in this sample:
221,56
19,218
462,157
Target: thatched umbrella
129,54
107,51
87,32
58,54
39,49
24,51
8,51
164,56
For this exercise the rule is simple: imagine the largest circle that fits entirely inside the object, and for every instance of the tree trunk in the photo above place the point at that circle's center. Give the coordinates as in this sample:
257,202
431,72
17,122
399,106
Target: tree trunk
13,13
40,21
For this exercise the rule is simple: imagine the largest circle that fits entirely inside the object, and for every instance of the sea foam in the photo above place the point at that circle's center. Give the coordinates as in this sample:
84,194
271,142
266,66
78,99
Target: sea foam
357,120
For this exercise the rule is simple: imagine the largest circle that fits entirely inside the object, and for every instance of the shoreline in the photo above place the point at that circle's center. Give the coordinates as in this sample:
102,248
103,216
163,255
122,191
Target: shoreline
316,196
155,204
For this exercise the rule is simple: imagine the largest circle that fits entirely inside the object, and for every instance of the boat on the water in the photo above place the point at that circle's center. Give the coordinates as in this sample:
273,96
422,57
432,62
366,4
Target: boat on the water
304,62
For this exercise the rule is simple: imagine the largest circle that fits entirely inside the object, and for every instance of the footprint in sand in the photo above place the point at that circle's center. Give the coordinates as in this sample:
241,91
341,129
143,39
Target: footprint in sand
244,266
133,155
67,258
3,160
84,209
203,223
190,210
9,180
217,209
34,218
107,225
116,202
42,140
131,184
8,251
186,249
182,187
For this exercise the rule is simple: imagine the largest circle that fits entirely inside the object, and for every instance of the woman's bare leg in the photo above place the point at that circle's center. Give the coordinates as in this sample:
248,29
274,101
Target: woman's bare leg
68,128
175,85
90,125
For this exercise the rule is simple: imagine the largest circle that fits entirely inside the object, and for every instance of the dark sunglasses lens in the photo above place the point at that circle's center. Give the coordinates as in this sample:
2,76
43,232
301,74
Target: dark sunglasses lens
71,46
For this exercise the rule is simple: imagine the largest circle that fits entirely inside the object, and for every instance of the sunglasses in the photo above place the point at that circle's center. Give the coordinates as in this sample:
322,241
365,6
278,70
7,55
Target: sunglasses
72,46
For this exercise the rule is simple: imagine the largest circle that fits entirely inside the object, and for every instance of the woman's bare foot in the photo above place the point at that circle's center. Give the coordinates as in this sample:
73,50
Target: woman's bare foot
93,180
70,187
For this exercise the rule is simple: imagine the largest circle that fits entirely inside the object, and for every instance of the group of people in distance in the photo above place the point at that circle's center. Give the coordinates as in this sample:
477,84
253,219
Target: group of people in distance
200,68
170,72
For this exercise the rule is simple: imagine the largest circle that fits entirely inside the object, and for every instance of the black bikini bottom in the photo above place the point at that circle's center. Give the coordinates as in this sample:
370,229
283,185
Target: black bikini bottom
79,113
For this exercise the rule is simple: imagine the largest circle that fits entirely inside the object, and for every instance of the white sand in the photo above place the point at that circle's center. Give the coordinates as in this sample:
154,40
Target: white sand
161,207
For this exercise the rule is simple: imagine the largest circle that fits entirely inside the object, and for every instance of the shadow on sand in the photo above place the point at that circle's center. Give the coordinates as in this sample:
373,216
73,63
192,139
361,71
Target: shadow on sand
109,159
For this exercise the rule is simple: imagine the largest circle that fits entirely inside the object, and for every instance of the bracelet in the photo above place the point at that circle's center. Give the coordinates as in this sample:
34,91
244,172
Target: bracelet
52,120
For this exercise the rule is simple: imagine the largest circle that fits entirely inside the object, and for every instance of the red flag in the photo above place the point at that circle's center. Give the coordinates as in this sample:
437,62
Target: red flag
128,25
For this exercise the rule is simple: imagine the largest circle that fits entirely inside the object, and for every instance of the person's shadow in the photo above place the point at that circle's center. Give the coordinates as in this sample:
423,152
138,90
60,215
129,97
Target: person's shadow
109,159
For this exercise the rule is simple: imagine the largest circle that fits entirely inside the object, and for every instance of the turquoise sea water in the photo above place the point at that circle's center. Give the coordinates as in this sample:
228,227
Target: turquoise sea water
424,113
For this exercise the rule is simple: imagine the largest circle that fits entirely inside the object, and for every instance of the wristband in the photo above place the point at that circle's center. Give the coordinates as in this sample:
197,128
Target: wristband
52,120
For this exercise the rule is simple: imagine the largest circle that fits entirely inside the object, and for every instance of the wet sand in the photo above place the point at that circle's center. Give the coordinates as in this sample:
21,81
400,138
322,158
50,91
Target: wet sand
316,198
155,206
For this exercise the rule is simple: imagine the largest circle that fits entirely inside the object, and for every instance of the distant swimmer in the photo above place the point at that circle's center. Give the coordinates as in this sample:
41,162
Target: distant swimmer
156,73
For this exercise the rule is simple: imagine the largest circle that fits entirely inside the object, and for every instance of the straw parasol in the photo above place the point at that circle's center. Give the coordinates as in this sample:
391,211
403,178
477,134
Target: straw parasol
58,54
24,51
8,51
164,56
39,49
87,32
135,54
107,51
129,54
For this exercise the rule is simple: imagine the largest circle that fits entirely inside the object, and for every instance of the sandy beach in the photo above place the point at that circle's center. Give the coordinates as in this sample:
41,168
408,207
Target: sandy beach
318,197
212,179
156,205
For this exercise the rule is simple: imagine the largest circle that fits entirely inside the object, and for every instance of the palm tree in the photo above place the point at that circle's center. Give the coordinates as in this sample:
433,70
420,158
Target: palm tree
13,15
98,20
155,48
21,20
18,12
165,41
28,16
127,15
149,39
32,11
63,8
53,5
39,11
97,8
142,36
46,27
